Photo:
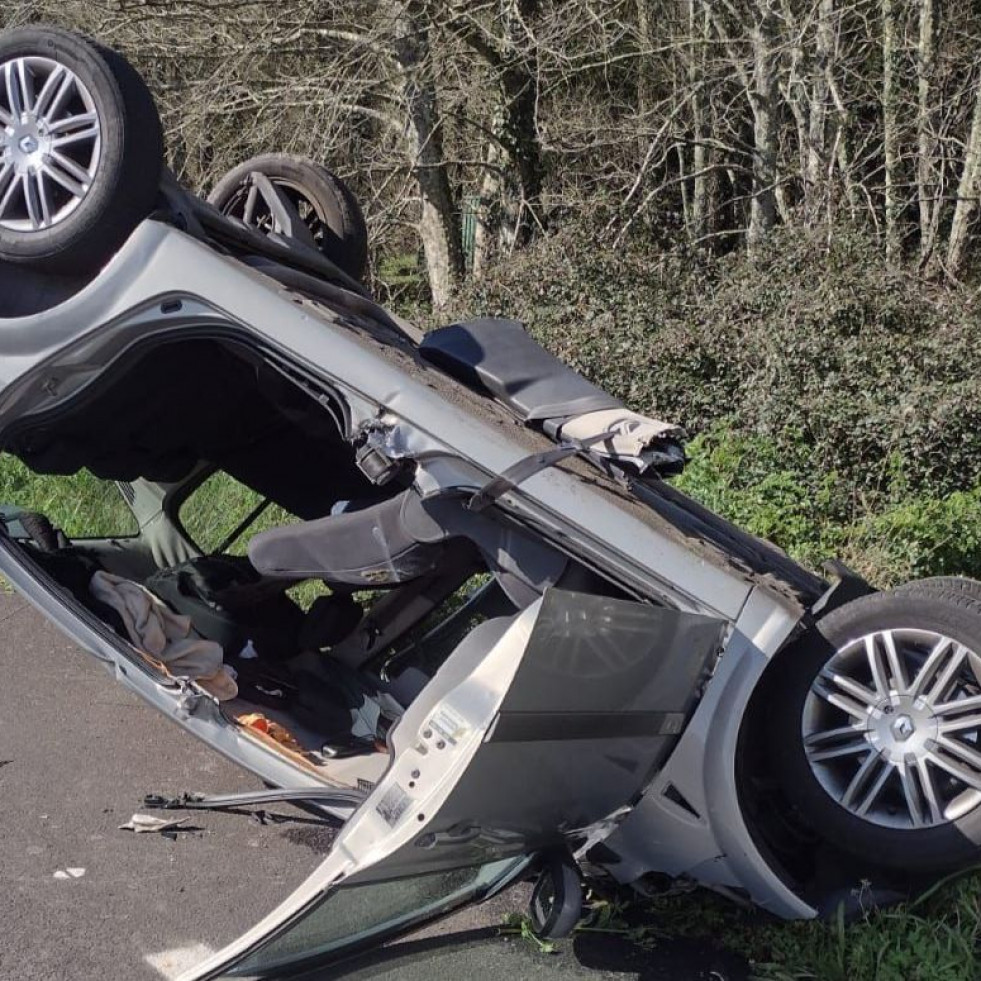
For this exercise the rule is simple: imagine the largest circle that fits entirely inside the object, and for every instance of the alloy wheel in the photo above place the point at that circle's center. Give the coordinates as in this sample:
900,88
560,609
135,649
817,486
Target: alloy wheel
892,728
50,143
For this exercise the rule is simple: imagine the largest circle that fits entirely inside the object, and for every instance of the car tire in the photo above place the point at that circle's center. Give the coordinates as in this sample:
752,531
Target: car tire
886,835
943,584
326,204
81,159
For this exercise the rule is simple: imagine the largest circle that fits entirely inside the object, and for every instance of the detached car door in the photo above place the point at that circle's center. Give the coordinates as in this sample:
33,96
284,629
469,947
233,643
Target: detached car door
539,730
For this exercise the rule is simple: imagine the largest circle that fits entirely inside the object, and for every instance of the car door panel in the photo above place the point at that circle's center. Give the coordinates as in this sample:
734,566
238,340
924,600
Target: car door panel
536,729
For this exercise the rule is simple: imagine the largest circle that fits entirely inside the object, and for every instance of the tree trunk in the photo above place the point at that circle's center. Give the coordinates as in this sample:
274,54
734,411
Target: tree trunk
816,168
763,99
927,193
519,86
439,223
488,220
890,131
967,193
698,30
645,80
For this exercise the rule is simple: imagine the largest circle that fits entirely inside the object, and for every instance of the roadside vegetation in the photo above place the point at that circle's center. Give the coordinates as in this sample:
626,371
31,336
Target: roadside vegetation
832,409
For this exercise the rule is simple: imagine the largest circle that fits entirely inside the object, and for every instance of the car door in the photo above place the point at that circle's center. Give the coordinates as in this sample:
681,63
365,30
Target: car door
539,730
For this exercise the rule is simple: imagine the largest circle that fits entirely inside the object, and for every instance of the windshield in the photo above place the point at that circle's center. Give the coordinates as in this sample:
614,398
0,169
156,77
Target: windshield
358,912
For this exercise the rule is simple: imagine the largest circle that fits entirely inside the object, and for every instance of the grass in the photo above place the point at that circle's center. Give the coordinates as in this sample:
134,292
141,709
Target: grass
933,939
81,505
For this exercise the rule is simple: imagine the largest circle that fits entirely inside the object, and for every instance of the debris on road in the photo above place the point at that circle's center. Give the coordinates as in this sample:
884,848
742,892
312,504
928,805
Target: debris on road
69,873
146,823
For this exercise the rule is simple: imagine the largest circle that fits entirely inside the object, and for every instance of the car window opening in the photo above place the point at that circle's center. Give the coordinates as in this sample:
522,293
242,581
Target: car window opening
315,605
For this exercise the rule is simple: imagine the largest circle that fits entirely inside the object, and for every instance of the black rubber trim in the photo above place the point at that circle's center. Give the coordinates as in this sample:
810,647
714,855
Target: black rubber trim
530,727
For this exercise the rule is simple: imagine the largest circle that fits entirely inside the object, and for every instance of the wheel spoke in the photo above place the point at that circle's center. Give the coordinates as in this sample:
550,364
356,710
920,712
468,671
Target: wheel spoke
962,723
837,750
6,196
842,702
947,674
851,687
896,665
874,655
88,120
916,803
79,136
44,197
825,736
16,82
5,118
867,783
955,768
960,750
53,91
957,706
31,196
70,175
930,666
65,180
929,790
251,200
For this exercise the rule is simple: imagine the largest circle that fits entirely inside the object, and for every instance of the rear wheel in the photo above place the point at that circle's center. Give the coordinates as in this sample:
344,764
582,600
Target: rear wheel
331,216
876,732
81,150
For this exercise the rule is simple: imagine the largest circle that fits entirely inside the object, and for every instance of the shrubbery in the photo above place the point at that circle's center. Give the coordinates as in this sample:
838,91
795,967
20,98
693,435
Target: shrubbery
839,402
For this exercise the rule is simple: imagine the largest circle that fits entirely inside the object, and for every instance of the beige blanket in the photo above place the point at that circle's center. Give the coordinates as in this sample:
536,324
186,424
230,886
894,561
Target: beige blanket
166,636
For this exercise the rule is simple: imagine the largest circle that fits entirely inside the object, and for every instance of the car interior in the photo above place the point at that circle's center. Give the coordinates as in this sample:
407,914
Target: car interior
352,595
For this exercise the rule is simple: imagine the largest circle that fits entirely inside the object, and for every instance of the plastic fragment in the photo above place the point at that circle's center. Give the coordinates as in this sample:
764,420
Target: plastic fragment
69,873
146,823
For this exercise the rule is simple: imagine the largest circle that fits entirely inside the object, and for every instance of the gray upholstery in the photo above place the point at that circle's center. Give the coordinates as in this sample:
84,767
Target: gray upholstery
401,539
371,547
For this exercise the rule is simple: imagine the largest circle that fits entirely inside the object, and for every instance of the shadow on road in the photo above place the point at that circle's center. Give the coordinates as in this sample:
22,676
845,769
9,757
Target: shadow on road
485,953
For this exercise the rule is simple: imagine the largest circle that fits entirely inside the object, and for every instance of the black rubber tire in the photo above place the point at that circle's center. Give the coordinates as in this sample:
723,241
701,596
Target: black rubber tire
126,183
943,584
916,851
345,238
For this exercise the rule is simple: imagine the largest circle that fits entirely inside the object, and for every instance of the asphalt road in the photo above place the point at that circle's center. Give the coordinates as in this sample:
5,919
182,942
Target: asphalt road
81,899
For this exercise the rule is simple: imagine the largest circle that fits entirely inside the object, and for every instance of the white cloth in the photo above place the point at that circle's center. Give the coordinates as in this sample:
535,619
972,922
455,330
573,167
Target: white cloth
631,434
166,636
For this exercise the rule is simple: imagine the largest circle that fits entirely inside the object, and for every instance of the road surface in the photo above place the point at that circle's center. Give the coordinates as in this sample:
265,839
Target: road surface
81,899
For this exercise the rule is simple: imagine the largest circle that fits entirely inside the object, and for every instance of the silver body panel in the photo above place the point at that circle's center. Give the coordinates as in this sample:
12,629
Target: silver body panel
164,283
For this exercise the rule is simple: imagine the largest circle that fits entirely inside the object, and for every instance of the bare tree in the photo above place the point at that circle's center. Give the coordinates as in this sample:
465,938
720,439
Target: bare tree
439,225
890,130
967,193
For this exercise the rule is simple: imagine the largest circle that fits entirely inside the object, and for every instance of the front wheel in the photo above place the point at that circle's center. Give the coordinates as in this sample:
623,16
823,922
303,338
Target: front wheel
876,729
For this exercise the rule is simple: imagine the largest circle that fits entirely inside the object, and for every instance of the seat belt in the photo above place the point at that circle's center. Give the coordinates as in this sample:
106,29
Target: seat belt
527,467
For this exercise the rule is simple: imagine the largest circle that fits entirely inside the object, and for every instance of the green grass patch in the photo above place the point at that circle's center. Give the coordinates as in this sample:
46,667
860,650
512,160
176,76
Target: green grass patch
785,496
935,939
81,505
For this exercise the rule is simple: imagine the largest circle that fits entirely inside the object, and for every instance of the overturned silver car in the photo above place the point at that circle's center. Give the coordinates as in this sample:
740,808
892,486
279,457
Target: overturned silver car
529,655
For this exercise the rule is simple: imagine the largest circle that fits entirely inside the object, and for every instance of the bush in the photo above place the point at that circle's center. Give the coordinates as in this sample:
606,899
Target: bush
889,537
842,365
